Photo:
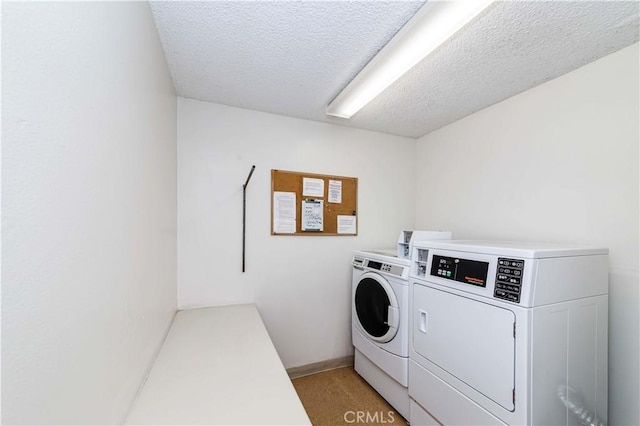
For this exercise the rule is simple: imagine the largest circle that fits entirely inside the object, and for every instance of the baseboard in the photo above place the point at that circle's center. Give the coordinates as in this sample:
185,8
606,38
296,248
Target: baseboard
317,367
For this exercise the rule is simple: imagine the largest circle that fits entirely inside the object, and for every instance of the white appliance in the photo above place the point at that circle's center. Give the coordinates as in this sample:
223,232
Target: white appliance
380,322
508,333
408,238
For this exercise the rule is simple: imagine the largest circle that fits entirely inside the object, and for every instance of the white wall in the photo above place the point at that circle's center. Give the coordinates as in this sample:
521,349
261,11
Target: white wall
89,209
557,163
301,284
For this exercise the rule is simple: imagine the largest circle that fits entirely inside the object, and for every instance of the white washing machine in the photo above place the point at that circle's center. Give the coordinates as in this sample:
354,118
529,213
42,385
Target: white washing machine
379,320
508,333
379,317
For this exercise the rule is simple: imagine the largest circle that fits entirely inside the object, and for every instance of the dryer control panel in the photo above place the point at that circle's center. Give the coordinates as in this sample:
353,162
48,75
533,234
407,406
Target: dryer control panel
462,270
508,274
509,279
523,274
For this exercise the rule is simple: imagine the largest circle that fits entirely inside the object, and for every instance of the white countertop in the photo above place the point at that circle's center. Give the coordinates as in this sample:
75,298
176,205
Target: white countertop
218,366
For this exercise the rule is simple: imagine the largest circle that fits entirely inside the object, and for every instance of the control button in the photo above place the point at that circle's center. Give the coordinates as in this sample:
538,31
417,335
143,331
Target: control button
517,273
502,294
507,286
448,273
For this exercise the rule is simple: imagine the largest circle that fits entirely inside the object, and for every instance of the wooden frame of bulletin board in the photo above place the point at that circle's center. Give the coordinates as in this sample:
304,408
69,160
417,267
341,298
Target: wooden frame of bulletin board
313,204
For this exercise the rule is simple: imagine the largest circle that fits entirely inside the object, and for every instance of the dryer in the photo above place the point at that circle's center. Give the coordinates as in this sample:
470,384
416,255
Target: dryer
508,333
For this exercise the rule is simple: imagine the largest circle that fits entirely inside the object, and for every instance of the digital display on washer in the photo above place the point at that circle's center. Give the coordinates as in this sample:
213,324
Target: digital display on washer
462,270
374,265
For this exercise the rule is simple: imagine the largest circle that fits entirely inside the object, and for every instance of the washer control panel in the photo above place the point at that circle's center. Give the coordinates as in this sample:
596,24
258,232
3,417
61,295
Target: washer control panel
509,279
364,263
384,267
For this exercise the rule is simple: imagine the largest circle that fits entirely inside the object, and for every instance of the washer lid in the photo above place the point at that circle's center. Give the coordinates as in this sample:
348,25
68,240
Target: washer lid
376,307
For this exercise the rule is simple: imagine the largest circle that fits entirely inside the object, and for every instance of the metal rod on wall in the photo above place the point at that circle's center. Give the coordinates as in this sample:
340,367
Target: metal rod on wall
244,212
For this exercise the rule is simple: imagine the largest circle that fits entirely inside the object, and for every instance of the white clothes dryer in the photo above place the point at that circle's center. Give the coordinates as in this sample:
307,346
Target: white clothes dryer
380,303
508,333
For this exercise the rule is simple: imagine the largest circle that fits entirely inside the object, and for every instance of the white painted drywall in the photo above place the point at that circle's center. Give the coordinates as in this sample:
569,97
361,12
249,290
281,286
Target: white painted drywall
557,163
301,284
89,208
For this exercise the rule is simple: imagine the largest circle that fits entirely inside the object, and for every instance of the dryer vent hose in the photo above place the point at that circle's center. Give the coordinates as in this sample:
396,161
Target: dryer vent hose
574,403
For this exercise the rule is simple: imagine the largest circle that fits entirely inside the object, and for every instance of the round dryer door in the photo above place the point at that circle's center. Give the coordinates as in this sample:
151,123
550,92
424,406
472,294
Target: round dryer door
376,307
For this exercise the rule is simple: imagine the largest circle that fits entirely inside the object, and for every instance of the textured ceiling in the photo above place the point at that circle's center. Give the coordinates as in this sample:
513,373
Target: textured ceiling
293,57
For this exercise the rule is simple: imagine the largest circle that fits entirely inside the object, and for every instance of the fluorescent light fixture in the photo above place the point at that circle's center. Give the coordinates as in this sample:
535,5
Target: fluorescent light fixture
431,26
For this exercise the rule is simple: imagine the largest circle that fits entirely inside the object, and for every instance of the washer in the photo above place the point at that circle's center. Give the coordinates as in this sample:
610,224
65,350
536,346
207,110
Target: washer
380,302
508,333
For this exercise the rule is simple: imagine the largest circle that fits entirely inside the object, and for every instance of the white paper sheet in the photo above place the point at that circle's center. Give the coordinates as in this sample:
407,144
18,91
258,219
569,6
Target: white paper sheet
312,187
284,212
335,191
346,224
312,215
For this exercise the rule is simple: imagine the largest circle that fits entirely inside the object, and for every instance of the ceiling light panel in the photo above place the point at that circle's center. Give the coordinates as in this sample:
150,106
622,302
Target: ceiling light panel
432,25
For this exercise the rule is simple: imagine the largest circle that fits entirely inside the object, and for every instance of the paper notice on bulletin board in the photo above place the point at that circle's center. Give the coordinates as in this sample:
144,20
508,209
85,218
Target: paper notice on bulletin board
284,212
346,224
312,187
335,191
312,219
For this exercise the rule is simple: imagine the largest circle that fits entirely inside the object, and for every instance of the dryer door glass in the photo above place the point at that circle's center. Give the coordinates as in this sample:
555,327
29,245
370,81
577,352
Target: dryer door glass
372,307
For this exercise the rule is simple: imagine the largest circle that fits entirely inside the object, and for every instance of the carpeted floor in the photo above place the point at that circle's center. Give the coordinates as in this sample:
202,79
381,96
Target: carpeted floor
342,397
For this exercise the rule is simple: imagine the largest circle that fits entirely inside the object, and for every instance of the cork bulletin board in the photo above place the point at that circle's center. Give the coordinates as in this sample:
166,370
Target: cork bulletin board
313,204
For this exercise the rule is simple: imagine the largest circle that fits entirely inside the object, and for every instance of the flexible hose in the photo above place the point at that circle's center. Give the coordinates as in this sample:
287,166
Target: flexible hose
574,403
